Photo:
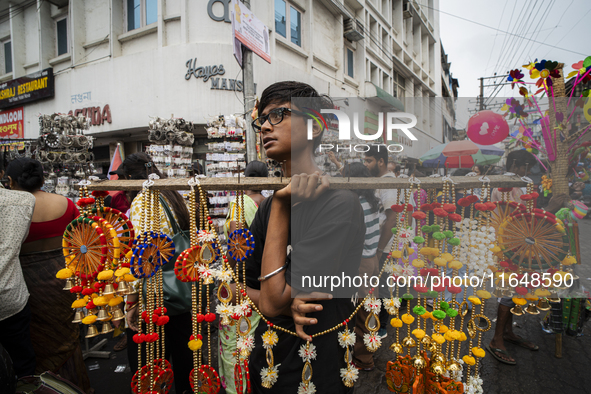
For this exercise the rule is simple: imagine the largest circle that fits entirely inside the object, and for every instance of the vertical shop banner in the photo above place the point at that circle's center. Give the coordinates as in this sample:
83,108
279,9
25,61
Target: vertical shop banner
250,31
12,124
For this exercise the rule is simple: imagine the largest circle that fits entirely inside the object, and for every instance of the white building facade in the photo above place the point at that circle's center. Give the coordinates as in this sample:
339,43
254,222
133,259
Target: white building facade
122,61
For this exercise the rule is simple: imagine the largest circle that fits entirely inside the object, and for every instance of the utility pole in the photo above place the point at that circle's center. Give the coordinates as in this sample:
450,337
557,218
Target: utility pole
249,100
481,94
482,86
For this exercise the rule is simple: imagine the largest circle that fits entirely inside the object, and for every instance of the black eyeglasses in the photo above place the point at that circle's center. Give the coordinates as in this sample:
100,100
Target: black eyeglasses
275,116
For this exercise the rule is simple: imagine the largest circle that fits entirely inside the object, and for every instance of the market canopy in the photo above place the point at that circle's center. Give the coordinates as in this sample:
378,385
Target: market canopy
461,154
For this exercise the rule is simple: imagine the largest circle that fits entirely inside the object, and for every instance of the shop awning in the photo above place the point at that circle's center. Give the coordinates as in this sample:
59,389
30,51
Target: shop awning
384,96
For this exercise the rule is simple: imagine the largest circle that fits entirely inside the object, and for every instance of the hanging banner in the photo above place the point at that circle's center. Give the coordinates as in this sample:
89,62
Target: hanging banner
12,124
250,31
32,87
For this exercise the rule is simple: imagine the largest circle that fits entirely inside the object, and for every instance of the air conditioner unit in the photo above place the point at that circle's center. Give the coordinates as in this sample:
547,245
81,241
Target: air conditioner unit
353,30
406,10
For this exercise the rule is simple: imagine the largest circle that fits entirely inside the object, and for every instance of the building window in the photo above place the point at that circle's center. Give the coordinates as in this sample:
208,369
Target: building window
296,26
293,19
280,17
399,85
61,27
141,13
7,57
349,63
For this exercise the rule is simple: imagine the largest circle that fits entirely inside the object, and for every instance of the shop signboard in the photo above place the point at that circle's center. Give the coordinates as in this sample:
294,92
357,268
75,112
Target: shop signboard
32,87
250,31
12,124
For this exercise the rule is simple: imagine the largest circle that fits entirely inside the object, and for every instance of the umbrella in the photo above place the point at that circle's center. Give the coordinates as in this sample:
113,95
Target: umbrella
461,154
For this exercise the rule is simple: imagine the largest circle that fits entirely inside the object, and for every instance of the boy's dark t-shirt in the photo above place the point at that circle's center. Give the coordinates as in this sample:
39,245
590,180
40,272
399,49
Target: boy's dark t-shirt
327,237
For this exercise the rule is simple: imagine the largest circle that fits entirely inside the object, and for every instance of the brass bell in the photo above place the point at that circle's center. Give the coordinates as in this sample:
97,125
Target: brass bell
554,298
437,368
426,340
432,347
102,315
453,366
109,289
532,310
396,348
123,288
118,314
107,328
69,284
419,362
78,316
409,342
517,310
438,358
498,293
543,304
92,332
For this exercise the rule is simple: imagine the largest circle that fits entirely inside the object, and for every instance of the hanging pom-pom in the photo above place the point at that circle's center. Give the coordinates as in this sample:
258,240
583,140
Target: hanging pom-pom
195,344
64,273
81,303
105,275
89,319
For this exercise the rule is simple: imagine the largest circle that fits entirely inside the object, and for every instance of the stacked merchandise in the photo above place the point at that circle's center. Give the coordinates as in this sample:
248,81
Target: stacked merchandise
226,154
65,151
172,147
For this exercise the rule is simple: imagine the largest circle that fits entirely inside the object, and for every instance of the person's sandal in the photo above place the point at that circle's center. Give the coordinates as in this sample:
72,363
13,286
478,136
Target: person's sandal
523,343
494,352
122,344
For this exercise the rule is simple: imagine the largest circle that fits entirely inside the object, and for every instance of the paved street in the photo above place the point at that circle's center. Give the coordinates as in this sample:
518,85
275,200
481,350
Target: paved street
535,372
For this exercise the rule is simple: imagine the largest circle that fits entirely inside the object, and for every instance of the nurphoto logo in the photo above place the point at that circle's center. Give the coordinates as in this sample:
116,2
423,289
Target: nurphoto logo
344,127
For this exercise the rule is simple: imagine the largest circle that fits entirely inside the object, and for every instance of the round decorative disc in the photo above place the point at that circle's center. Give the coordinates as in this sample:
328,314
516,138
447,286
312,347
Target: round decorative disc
240,244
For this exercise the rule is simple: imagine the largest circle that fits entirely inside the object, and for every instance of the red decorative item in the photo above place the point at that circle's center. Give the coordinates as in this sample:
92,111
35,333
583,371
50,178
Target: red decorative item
521,290
454,289
480,207
472,198
449,208
397,208
210,317
456,217
88,291
505,189
138,338
463,202
76,289
440,212
419,215
526,197
90,305
200,317
491,205
427,207
436,205
162,320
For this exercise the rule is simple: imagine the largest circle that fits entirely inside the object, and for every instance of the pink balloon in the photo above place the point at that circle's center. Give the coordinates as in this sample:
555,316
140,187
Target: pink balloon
487,128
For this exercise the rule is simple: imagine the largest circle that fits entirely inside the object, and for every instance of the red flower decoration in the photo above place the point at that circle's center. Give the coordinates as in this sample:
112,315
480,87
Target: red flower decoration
162,320
535,195
521,290
90,305
449,207
526,197
439,212
200,317
505,189
456,217
463,202
88,291
419,215
100,193
76,289
454,289
436,205
427,207
472,198
397,207
421,289
439,289
210,317
480,206
490,205
139,338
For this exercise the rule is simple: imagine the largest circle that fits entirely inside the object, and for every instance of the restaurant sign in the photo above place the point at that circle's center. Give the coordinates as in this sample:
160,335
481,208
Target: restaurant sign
32,87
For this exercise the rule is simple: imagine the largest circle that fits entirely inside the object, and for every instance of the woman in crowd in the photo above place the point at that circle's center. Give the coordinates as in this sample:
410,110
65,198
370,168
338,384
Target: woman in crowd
369,266
178,329
227,334
55,339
